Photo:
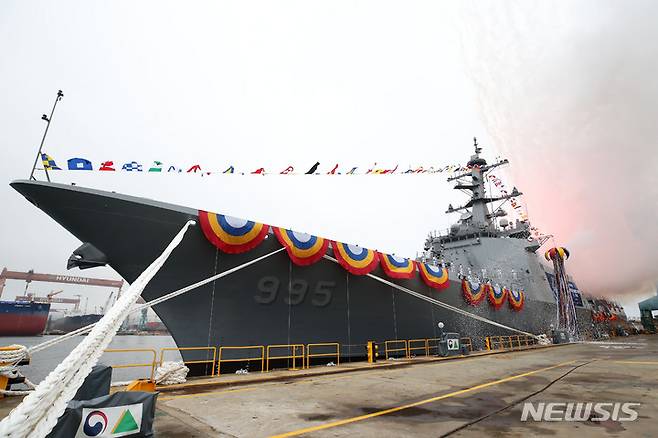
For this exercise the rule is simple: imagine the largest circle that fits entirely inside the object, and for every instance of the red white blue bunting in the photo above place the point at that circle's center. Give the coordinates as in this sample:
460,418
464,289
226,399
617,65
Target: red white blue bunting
516,299
357,260
303,249
397,267
497,295
434,276
232,235
474,292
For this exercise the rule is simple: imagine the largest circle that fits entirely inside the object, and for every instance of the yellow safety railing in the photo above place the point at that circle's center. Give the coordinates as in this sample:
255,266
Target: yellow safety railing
261,358
509,342
292,348
466,341
135,365
404,349
495,342
335,354
433,343
210,361
424,347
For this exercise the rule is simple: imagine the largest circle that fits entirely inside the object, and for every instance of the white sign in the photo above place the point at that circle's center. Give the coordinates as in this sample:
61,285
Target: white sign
453,344
113,421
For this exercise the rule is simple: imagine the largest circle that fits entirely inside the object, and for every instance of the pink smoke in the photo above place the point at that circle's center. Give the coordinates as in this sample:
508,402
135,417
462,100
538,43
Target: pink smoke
568,93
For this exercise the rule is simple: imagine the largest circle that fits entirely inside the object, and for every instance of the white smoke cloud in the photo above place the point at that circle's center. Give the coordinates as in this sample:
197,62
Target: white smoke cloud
568,91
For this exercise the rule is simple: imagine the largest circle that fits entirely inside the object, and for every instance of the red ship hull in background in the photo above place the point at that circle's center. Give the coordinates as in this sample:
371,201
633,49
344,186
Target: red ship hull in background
28,314
23,318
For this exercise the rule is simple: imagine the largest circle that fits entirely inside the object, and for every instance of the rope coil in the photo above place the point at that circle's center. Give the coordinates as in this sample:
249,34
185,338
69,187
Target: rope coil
10,357
171,373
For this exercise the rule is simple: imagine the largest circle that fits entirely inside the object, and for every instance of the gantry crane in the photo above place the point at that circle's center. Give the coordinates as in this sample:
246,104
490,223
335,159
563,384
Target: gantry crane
31,276
49,298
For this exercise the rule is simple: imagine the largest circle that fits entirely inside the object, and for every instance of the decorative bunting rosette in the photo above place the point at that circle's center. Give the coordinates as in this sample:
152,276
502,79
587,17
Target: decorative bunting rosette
303,249
557,253
435,277
357,260
497,295
232,235
516,299
397,267
474,292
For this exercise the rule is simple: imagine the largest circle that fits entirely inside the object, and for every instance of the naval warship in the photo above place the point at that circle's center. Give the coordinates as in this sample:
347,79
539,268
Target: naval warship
301,295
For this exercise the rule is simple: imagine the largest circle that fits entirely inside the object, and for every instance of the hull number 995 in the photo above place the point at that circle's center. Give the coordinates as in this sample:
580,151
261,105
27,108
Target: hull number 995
320,295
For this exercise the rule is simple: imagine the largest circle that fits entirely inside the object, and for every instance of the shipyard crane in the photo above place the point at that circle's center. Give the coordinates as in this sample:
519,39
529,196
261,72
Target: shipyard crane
107,303
48,299
53,293
31,276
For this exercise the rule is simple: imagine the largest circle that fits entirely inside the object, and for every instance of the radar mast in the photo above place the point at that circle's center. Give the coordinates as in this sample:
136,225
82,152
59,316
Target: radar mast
477,216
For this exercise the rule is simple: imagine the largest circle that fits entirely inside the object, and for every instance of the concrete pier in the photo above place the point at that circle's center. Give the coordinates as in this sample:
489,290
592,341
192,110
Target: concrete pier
477,396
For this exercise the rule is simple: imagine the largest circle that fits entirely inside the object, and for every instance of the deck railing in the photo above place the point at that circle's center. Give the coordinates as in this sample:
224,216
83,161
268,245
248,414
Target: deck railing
208,349
290,348
509,342
260,358
323,346
151,365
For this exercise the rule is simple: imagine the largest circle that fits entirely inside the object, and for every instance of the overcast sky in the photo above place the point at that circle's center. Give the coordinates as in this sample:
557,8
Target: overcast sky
565,90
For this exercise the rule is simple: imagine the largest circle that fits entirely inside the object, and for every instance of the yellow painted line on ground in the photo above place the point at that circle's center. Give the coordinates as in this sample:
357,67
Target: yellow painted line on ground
201,394
418,403
636,362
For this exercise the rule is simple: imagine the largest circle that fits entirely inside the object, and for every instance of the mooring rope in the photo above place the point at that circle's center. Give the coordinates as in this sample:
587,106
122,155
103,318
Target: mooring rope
441,304
38,412
10,357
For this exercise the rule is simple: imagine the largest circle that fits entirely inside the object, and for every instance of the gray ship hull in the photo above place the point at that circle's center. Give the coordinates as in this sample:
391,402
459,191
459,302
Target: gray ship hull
68,324
270,302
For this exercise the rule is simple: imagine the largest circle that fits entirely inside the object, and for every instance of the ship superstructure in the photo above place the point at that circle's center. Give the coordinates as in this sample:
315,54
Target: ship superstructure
484,245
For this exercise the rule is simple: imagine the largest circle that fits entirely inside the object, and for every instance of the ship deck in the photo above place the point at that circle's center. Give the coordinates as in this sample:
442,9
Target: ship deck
479,395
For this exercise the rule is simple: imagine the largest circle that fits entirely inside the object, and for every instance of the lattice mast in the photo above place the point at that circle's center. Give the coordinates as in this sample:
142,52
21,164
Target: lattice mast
473,180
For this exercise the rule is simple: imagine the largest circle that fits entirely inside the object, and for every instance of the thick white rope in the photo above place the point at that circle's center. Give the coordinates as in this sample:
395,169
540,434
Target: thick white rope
439,303
17,392
171,373
38,412
9,360
14,355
